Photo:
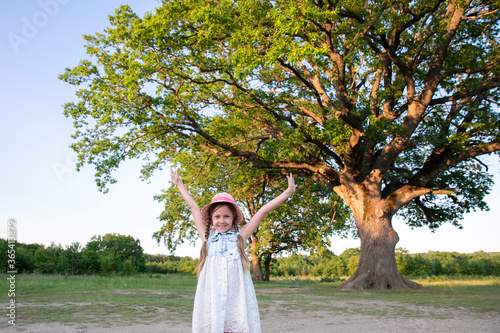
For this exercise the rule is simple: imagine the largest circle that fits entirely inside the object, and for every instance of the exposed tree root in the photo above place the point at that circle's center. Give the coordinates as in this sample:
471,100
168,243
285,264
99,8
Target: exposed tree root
376,281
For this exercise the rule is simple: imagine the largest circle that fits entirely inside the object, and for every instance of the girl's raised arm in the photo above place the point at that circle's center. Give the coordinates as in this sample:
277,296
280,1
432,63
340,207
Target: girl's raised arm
195,210
248,229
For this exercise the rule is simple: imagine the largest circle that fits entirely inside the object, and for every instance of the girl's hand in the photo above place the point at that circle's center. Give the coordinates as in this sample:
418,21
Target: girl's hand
291,183
174,177
248,229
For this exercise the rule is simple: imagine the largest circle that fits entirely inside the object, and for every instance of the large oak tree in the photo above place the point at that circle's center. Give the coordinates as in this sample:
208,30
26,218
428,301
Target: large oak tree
388,103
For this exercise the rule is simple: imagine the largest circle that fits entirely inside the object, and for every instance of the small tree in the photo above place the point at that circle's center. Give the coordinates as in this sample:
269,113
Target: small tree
47,259
90,257
107,254
73,256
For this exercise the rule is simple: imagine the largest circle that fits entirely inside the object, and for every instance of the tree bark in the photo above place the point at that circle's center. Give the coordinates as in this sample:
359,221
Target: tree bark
377,268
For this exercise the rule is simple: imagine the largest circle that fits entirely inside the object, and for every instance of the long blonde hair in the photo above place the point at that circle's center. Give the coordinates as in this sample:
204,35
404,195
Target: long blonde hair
245,262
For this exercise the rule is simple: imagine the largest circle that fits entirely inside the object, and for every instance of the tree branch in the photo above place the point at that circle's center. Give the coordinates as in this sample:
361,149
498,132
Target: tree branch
407,193
492,84
433,168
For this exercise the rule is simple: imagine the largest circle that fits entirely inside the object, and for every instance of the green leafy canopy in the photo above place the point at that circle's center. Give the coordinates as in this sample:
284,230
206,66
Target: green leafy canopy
397,99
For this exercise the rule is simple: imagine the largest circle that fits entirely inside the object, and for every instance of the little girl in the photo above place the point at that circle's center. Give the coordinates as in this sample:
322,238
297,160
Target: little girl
225,297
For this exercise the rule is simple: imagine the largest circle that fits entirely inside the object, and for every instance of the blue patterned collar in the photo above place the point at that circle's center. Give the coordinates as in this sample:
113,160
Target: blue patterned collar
216,234
229,232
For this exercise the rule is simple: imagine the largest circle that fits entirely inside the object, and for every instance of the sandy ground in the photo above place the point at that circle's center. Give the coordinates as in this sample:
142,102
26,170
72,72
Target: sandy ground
352,316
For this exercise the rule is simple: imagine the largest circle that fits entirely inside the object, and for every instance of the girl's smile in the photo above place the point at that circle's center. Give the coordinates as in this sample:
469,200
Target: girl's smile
222,218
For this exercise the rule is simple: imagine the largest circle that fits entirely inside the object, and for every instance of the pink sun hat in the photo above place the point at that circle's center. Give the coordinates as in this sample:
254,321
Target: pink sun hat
222,197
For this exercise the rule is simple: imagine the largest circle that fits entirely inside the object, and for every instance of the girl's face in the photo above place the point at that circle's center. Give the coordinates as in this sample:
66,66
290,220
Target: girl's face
222,218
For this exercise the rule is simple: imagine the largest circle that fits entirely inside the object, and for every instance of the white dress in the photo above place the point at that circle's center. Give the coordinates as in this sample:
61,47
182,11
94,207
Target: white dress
225,298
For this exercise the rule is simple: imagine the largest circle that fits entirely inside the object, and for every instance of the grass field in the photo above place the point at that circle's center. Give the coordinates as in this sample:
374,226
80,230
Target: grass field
147,299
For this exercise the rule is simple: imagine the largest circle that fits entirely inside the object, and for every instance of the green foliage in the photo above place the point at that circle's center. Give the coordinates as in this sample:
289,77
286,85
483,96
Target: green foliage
448,264
388,94
71,259
47,259
109,263
431,210
332,267
387,105
115,250
24,254
107,255
328,266
162,264
312,214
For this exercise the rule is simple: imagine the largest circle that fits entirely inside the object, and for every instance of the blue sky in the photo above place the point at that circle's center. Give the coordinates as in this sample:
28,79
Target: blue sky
53,203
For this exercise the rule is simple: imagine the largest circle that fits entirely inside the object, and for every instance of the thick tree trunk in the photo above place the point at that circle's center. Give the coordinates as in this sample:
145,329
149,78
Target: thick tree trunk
372,214
377,267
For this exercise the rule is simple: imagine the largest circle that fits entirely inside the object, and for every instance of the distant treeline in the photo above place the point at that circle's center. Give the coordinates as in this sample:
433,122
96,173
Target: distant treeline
411,265
448,263
104,255
117,254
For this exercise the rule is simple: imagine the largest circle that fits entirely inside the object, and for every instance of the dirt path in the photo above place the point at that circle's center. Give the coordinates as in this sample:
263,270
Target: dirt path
351,316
